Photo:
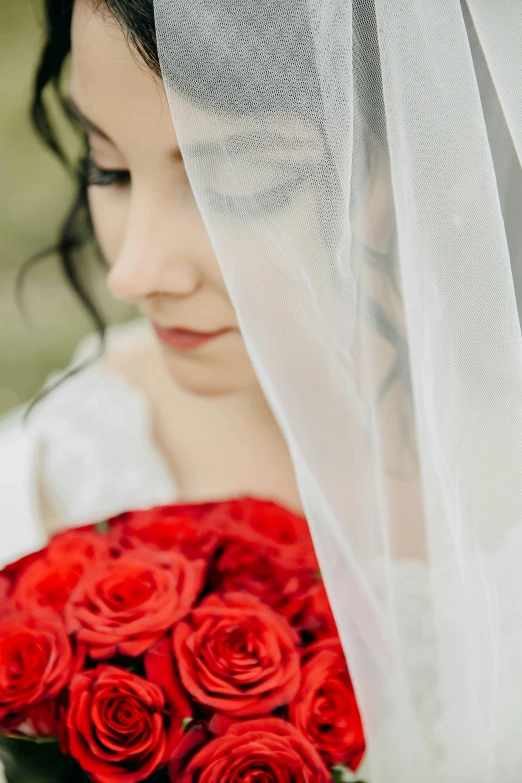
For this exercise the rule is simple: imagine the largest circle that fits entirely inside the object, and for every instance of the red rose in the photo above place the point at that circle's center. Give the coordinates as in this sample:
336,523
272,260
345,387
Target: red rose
238,656
5,587
241,567
47,584
48,580
160,669
36,661
268,527
125,605
315,616
266,749
74,544
42,720
325,709
13,570
179,527
119,726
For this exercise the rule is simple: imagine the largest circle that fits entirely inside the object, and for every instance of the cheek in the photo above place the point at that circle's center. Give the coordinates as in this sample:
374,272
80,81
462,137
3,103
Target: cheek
108,210
190,237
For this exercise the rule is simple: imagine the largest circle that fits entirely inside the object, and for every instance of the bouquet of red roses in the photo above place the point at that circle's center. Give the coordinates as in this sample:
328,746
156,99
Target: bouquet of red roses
187,643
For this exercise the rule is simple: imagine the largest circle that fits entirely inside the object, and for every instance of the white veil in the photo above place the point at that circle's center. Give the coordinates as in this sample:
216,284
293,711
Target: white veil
355,162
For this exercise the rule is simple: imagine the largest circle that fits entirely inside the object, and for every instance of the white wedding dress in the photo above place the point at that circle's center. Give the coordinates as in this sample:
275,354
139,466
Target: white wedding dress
89,443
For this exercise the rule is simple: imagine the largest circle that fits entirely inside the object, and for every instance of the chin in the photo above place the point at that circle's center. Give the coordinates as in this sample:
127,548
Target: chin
211,380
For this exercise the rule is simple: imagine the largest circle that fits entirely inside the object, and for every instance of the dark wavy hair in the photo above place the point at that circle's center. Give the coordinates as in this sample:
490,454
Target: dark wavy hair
76,230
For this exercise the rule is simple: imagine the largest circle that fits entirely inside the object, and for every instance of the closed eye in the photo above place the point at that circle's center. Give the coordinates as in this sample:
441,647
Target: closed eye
95,175
269,201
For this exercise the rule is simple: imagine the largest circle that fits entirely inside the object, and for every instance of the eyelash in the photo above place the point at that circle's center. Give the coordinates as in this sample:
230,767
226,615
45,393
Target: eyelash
94,175
270,201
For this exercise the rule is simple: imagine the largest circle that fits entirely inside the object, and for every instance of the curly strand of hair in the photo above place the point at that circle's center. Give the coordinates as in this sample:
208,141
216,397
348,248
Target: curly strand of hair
76,229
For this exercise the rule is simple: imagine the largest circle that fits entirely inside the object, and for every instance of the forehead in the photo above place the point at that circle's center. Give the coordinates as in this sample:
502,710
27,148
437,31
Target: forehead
127,100
111,84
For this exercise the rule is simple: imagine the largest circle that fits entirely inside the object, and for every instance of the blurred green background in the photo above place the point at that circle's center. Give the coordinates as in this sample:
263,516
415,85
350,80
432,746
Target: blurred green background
35,194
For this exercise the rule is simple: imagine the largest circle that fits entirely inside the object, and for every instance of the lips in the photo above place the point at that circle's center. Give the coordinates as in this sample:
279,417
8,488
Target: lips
185,340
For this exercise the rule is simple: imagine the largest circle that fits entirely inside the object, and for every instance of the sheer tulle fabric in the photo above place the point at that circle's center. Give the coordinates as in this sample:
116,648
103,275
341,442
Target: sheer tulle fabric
355,162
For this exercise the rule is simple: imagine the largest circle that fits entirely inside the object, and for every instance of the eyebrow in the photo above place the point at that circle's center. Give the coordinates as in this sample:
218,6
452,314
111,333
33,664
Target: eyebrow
239,143
242,143
76,113
74,110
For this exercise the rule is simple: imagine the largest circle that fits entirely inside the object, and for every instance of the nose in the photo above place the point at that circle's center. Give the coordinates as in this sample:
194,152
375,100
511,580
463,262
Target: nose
155,257
134,278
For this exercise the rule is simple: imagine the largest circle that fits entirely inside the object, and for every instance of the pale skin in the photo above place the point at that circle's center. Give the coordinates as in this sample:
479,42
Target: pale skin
211,419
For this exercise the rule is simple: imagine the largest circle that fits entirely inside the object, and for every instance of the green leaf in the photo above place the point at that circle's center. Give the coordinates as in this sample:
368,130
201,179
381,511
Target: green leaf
30,762
342,774
185,723
102,527
34,740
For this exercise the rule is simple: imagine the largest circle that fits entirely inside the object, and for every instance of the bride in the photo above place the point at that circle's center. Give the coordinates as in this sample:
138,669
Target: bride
173,410
311,205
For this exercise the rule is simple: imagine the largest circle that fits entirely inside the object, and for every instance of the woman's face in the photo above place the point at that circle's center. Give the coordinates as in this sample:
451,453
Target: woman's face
145,217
